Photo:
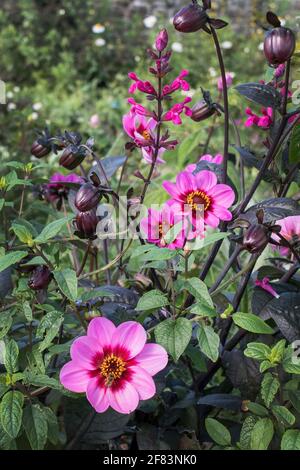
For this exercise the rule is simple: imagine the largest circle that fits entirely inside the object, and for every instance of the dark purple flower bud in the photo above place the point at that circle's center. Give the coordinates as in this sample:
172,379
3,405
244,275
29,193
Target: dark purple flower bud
202,110
87,197
256,238
190,19
72,157
86,224
279,45
162,40
39,150
40,278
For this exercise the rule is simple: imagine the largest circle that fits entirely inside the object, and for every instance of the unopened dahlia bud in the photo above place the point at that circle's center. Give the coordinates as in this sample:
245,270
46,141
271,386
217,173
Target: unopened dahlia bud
39,150
190,19
256,238
71,157
86,224
87,197
279,45
162,40
40,278
202,110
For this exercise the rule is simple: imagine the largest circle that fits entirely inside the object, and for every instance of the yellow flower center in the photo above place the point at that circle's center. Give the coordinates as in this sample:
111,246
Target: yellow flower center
146,135
196,198
112,368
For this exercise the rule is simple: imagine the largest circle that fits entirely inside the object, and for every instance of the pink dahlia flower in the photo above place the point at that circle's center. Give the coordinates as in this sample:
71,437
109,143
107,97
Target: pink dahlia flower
57,180
56,190
290,230
158,223
201,196
229,80
265,121
113,365
265,284
218,160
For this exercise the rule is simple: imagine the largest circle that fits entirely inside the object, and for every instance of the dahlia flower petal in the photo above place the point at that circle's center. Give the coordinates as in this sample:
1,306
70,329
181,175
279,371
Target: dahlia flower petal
206,180
221,212
142,382
185,182
153,358
124,399
130,336
84,352
211,219
172,189
74,378
97,395
222,194
102,330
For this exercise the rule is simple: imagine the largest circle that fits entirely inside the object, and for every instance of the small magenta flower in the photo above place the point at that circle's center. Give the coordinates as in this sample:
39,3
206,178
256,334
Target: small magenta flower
137,108
193,193
143,86
290,230
94,121
265,121
229,81
141,131
158,223
178,84
265,284
114,366
58,187
174,113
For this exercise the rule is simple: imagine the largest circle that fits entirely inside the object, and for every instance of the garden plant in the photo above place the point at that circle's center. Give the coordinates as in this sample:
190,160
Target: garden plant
147,304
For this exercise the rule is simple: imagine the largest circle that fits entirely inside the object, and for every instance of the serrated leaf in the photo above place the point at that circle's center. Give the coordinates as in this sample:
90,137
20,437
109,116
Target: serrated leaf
67,282
152,300
209,342
262,434
252,323
52,229
245,436
11,411
269,387
218,432
258,409
53,429
27,311
36,426
291,440
11,258
198,289
11,356
259,351
174,336
283,415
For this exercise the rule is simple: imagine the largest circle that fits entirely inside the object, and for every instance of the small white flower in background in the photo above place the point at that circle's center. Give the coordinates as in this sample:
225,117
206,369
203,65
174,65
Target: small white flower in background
98,28
150,21
177,47
171,20
137,58
16,89
2,352
9,95
212,72
37,106
246,50
11,106
226,45
190,93
61,12
100,42
94,121
33,116
261,46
